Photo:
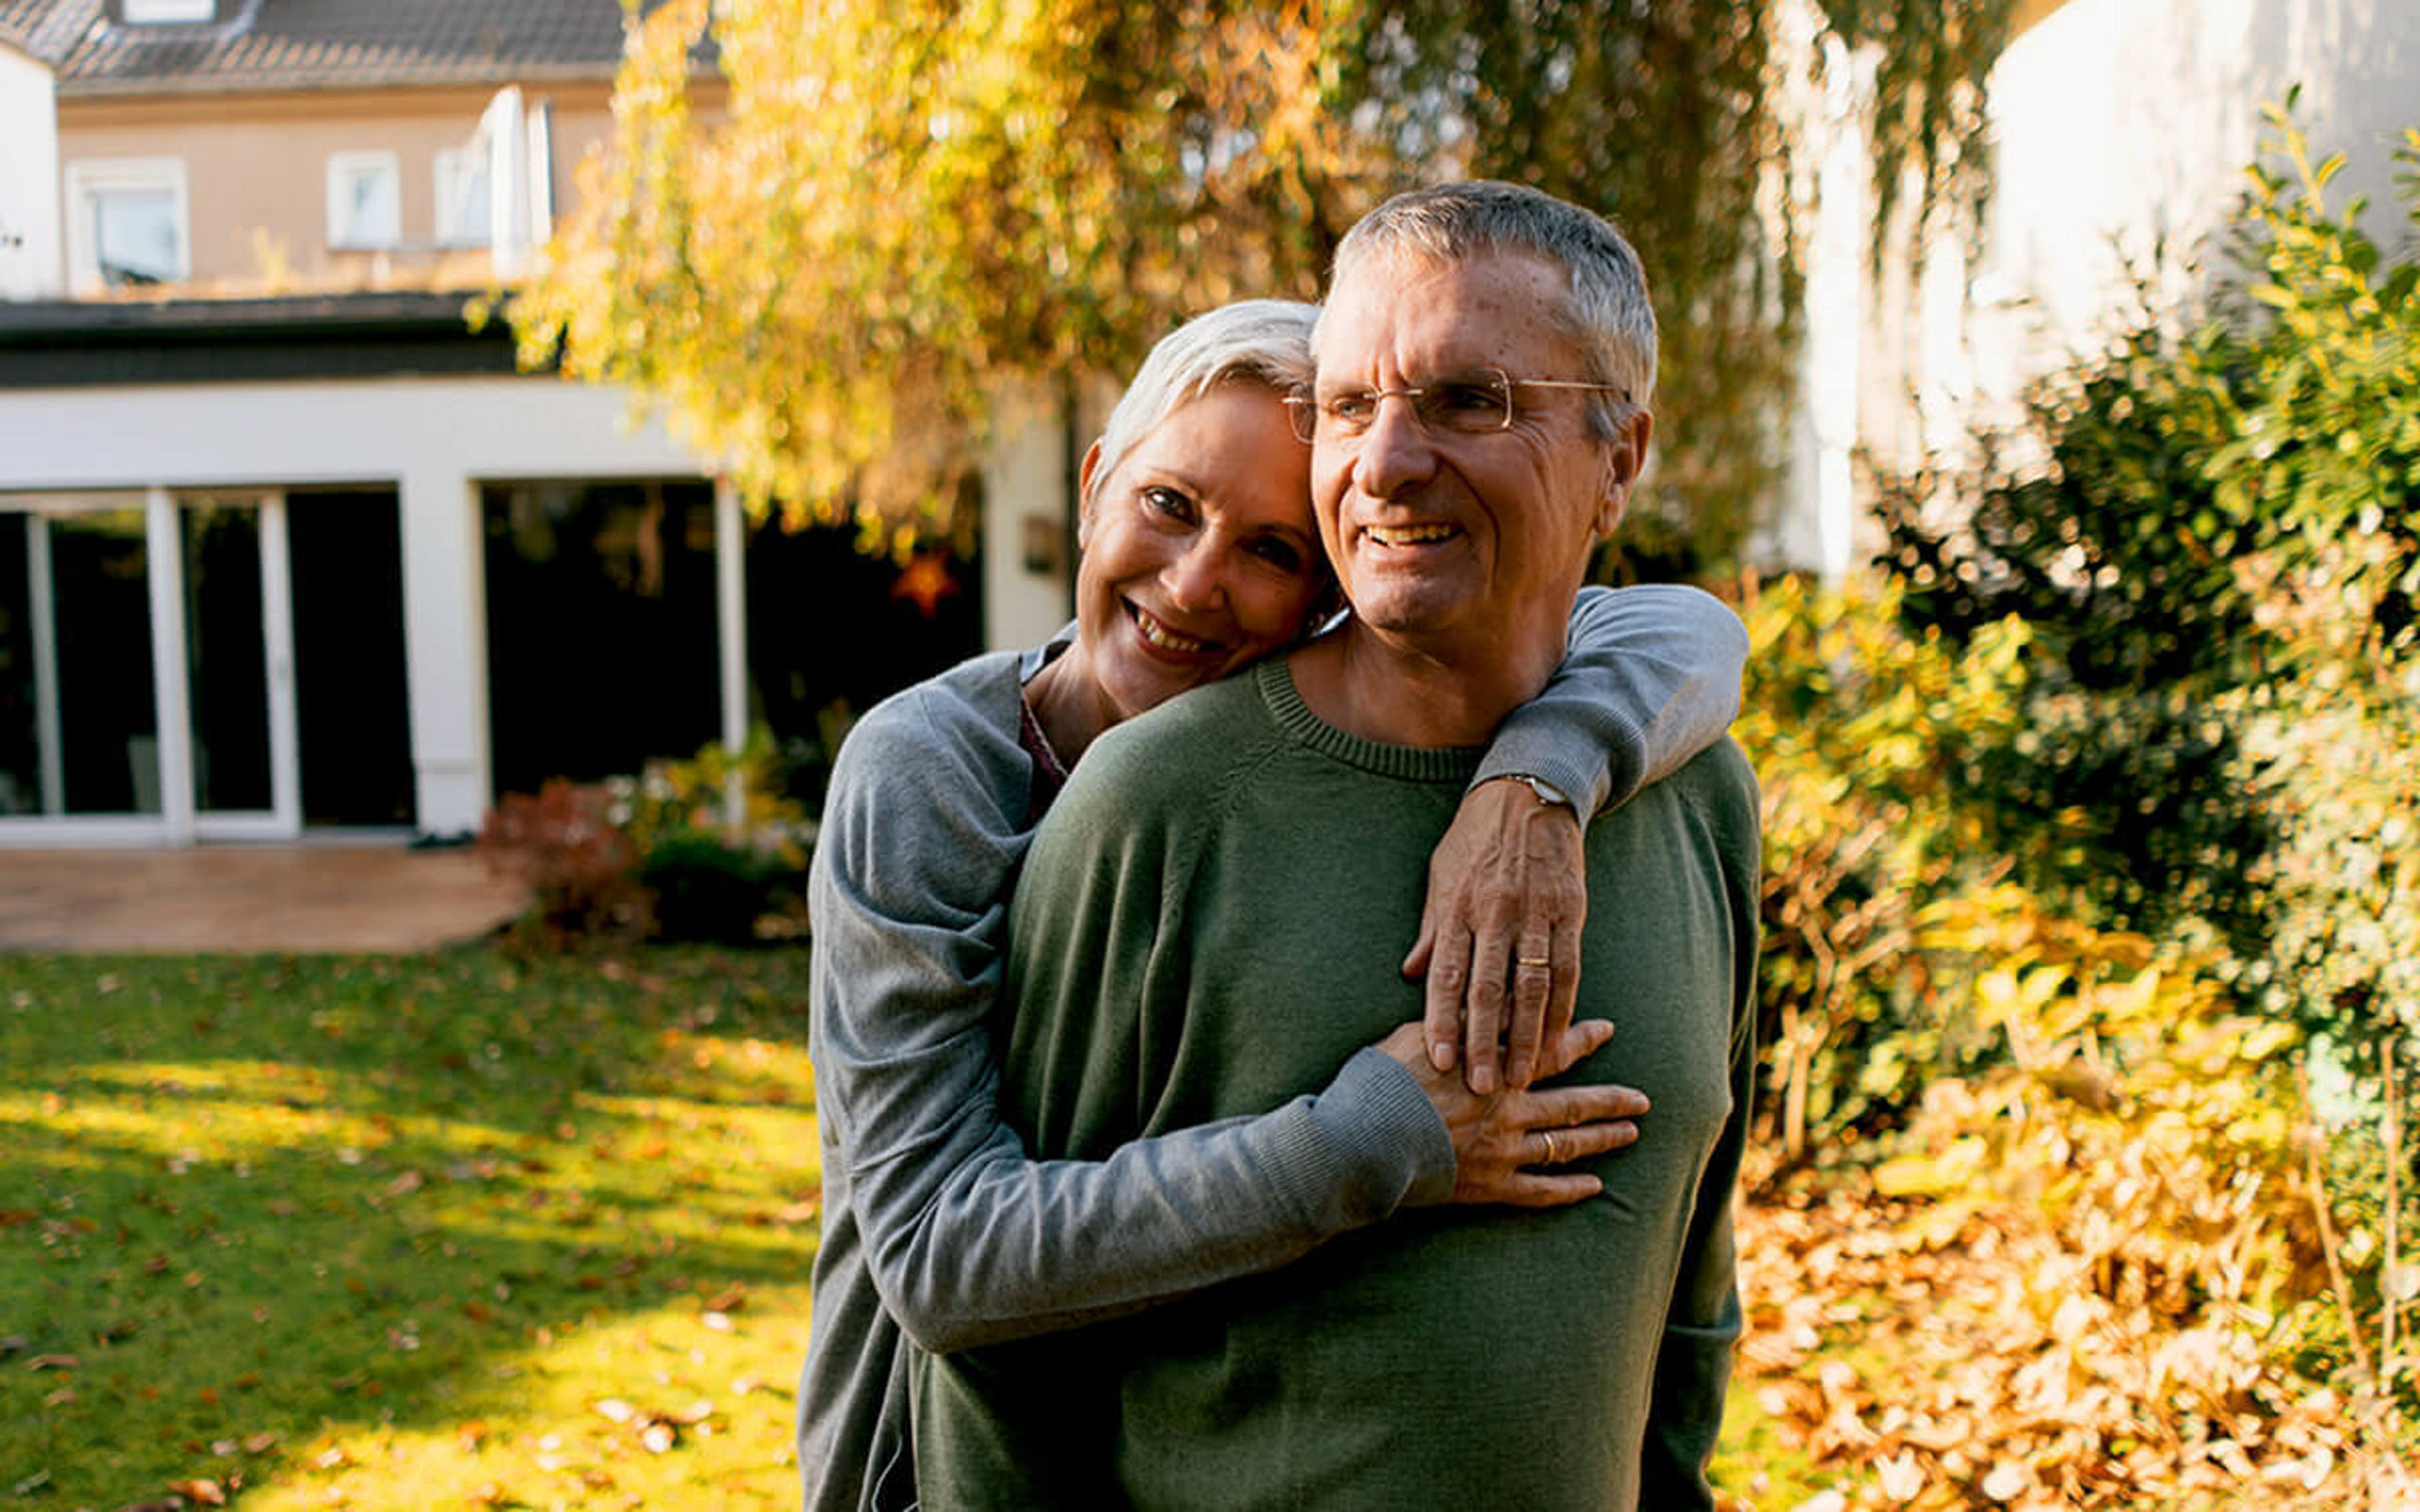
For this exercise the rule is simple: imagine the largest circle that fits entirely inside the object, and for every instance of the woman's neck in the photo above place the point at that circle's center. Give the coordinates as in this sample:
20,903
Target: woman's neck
1070,704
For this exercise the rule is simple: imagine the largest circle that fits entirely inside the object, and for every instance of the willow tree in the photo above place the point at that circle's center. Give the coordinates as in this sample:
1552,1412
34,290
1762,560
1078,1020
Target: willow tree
836,266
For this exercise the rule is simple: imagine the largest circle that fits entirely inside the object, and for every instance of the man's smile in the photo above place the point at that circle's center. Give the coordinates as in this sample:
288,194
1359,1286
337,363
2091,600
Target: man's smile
1397,536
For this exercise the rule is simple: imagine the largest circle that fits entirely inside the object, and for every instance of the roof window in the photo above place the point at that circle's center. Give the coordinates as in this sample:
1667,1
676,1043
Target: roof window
163,12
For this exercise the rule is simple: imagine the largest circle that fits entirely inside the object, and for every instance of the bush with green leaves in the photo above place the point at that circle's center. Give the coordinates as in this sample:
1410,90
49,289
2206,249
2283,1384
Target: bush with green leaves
1865,733
2216,558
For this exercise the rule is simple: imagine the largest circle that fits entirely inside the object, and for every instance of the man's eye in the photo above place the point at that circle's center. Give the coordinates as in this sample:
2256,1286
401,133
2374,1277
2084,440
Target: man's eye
1169,502
1468,408
1350,408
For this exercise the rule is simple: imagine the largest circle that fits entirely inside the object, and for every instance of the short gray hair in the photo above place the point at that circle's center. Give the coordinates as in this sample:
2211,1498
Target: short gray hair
1253,341
1606,313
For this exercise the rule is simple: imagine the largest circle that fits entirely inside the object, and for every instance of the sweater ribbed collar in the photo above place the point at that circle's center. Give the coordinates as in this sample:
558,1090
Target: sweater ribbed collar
1416,763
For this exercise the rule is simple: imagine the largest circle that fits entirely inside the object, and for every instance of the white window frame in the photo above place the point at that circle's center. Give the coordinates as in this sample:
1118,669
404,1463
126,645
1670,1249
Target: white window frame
342,168
167,13
451,175
91,177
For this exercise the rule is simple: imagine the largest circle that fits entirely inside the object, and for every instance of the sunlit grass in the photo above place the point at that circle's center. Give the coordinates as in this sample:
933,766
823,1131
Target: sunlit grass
452,1231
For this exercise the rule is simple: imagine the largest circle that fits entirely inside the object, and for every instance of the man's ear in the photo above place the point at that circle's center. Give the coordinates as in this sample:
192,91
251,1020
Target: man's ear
1624,456
1084,472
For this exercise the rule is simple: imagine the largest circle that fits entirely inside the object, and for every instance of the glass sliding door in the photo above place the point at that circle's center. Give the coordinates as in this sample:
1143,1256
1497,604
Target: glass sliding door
22,679
226,678
145,668
105,745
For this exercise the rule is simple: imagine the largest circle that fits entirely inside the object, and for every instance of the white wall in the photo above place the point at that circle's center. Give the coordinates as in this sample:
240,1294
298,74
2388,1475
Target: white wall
2121,129
29,229
2119,122
1024,486
434,439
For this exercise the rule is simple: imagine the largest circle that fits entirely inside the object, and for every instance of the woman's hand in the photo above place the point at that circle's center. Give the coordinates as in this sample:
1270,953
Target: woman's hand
1507,1146
1507,896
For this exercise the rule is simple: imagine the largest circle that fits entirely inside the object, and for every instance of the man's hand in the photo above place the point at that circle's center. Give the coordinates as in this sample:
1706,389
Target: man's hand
1507,896
1508,1147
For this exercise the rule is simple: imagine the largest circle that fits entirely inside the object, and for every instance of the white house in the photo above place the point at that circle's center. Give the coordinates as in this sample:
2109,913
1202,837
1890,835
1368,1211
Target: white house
292,548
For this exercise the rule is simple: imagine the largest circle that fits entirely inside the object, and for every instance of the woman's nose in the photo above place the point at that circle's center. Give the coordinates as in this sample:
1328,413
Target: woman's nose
1195,580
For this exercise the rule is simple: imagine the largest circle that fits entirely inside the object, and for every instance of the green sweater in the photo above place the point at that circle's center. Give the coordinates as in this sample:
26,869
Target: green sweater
1233,848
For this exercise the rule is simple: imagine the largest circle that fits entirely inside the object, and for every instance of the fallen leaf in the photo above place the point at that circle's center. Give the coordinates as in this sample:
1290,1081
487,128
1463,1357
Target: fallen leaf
260,1443
208,1493
55,1362
659,1438
617,1410
730,1299
405,1184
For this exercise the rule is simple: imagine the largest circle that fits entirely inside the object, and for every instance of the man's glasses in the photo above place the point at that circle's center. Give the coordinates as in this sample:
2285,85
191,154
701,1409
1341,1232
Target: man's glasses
1472,405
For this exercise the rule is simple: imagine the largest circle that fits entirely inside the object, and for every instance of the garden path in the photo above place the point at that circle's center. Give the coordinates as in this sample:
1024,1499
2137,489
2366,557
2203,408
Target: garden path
314,897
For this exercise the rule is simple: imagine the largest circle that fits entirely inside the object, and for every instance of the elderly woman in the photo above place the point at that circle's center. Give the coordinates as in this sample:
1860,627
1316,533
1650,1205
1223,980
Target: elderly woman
1200,558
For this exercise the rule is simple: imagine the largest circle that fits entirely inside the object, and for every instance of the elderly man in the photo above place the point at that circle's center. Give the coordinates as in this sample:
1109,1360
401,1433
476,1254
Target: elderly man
1484,365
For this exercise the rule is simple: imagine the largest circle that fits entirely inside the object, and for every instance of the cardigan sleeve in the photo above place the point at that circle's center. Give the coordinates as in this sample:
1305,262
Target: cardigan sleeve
1649,677
968,1240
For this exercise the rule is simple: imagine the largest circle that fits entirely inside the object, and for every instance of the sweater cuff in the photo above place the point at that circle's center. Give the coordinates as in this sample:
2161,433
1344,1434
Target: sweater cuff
1599,776
1378,1144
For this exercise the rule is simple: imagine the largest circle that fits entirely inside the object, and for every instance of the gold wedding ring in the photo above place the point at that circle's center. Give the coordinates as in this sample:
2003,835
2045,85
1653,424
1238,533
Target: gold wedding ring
1534,960
1548,1135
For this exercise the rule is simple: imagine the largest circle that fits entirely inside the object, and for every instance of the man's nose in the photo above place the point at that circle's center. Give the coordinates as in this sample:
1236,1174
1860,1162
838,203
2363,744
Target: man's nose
1396,451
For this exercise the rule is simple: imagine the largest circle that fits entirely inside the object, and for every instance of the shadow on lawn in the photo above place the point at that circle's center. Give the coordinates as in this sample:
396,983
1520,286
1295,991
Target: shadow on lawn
246,1203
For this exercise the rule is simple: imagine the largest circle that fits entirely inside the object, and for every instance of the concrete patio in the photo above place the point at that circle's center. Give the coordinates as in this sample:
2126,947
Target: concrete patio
316,897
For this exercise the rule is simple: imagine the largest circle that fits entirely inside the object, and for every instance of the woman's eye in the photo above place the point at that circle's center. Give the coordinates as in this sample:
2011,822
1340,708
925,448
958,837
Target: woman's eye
1278,554
1169,502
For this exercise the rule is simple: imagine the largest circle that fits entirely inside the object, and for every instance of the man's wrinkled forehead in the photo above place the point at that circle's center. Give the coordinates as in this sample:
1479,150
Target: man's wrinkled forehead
1393,306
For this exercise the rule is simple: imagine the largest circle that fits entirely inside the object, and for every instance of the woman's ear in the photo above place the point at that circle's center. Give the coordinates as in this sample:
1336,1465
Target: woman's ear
1084,472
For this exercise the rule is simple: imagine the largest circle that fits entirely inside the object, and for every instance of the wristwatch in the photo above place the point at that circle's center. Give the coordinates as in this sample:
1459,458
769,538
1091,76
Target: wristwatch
1547,792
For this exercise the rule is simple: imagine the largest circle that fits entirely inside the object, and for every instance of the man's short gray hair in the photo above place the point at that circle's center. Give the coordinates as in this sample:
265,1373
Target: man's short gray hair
1606,314
1256,341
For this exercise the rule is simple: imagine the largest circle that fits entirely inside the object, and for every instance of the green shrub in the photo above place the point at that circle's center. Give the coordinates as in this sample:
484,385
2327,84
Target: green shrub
708,891
2216,560
1863,732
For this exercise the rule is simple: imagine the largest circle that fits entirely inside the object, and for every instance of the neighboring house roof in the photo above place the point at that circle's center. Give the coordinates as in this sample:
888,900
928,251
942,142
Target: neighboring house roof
72,344
288,44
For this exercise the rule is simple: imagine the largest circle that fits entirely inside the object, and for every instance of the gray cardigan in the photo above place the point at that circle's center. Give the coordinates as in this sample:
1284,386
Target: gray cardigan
935,1224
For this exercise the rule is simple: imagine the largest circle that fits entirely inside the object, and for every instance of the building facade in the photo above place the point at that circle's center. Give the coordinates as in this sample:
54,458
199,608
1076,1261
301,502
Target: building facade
286,545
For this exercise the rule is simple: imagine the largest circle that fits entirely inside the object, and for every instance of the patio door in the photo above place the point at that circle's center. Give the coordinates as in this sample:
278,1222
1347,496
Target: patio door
147,685
239,666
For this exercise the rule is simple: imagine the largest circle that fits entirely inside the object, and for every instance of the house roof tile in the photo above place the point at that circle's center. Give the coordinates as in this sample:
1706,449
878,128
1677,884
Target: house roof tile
292,44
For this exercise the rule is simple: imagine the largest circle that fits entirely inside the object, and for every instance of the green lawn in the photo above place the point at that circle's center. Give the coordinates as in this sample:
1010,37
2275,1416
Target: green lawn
458,1230
452,1231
